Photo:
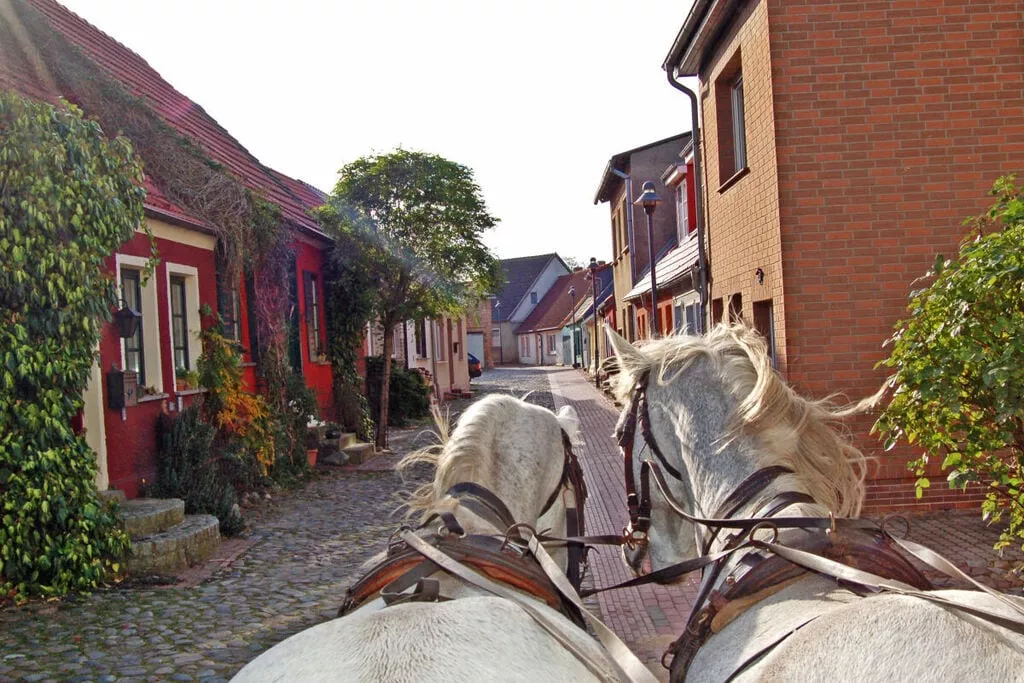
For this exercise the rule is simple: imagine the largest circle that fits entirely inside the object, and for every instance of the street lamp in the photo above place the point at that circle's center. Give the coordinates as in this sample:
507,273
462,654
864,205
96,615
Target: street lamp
593,344
572,298
649,199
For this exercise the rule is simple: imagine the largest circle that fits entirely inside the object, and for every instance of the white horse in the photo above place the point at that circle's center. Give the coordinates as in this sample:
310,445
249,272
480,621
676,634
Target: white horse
718,413
514,450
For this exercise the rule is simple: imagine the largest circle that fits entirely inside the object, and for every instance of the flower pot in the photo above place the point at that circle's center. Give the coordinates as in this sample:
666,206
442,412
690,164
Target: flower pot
311,454
180,384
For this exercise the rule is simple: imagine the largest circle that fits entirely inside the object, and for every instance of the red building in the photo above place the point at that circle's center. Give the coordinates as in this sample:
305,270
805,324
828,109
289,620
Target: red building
185,277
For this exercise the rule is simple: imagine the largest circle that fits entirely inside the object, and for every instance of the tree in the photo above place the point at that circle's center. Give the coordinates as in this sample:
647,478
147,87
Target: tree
69,197
959,362
573,262
413,223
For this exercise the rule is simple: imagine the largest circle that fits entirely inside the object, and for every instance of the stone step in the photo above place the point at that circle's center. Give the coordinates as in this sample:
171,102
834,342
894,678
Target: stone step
358,453
115,495
143,517
347,439
188,543
335,458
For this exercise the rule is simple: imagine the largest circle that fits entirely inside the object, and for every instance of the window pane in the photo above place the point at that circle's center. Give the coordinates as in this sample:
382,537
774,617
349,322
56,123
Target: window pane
134,360
738,125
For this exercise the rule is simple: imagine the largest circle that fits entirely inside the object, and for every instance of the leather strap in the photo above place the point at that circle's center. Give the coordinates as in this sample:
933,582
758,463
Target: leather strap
625,660
555,628
482,502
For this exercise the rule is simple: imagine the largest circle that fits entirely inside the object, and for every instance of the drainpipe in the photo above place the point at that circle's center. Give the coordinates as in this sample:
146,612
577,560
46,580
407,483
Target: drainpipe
629,232
698,193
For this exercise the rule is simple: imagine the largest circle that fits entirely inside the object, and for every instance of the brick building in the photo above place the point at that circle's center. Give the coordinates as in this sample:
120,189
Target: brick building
842,146
623,176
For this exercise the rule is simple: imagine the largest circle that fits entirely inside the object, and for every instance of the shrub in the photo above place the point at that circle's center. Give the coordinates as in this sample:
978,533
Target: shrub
959,365
69,197
409,393
189,467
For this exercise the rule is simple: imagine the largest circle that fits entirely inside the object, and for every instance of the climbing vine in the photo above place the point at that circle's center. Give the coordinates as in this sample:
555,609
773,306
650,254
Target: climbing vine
69,197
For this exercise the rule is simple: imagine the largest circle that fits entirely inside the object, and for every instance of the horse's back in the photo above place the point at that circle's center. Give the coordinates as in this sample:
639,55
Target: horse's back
470,639
893,637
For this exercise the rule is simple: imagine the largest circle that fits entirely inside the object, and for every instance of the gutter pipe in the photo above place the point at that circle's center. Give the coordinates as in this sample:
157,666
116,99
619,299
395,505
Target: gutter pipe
698,194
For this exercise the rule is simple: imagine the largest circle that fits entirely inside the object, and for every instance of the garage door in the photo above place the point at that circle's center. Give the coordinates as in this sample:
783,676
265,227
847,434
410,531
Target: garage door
475,343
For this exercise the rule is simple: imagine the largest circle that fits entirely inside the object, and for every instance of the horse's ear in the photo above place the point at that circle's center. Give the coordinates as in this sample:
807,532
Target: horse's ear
629,357
569,421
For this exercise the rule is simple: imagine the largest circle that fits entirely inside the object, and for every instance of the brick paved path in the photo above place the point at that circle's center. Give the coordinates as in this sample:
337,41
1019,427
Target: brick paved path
649,617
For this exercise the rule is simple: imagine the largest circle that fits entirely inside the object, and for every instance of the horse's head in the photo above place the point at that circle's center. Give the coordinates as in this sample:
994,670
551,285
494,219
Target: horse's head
717,412
514,450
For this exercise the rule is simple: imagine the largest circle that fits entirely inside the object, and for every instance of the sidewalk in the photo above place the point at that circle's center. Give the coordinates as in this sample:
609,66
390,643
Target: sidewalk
649,617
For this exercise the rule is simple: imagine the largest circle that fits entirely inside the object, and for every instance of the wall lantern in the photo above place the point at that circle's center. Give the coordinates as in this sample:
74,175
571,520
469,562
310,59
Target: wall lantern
127,322
759,276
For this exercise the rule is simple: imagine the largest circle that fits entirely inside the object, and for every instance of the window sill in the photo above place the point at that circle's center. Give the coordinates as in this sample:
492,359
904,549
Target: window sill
149,398
192,392
734,179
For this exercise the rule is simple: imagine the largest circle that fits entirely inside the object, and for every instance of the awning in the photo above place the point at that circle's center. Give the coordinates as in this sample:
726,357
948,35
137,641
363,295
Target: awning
674,267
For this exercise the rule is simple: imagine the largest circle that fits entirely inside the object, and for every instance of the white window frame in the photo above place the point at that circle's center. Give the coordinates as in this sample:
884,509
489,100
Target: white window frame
495,337
552,343
151,345
190,274
682,213
682,306
739,128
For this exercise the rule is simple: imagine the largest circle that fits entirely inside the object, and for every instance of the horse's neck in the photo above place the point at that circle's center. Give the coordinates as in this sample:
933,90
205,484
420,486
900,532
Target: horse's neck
719,475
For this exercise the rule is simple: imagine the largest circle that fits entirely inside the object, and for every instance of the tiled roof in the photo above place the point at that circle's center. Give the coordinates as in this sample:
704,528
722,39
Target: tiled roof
554,308
517,275
25,73
671,269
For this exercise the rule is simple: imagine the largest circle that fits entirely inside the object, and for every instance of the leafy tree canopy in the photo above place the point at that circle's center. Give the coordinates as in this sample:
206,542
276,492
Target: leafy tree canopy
418,220
959,362
411,225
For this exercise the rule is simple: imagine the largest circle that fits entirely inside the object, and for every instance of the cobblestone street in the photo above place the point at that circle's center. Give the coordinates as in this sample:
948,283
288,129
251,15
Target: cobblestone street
307,545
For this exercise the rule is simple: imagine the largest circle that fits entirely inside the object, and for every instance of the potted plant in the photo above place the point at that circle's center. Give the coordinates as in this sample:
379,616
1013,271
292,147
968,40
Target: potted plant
185,379
312,446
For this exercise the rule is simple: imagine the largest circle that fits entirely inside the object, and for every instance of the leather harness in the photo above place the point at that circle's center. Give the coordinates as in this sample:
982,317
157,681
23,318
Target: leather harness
506,560
860,554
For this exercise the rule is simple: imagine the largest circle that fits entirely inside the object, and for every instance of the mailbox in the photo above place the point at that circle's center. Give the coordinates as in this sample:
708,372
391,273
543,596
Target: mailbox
122,389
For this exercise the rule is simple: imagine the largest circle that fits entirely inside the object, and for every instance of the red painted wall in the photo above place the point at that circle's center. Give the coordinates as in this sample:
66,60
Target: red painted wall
132,442
318,375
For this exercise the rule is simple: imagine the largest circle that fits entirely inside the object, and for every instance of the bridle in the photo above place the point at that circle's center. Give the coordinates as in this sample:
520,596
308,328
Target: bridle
858,553
485,503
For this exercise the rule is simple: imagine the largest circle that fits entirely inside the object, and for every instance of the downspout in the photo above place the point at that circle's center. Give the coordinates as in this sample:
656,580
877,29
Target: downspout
698,193
629,234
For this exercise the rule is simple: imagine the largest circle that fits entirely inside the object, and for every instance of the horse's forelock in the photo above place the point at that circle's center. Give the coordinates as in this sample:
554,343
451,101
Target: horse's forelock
464,452
791,430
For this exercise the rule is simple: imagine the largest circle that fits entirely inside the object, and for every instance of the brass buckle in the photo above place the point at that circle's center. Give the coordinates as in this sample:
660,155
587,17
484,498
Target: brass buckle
633,539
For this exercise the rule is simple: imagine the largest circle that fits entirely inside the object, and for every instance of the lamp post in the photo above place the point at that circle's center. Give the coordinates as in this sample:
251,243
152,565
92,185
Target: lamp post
593,345
649,199
572,298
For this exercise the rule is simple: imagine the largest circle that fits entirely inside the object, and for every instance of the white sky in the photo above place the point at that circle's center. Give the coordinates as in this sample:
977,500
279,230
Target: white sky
533,95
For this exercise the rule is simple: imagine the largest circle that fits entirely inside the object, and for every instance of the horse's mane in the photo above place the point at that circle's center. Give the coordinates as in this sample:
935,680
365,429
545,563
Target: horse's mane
802,434
460,455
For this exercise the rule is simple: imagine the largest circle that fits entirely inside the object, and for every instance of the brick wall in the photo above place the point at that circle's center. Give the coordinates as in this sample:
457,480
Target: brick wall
892,120
743,217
